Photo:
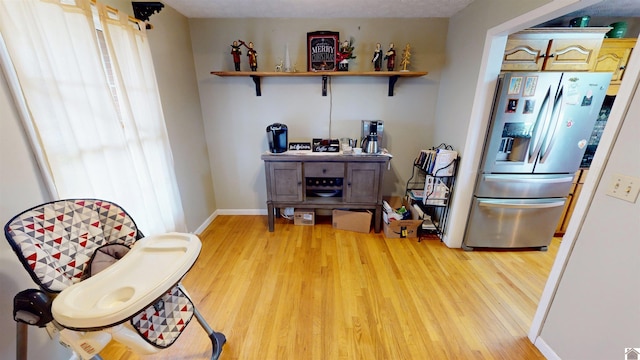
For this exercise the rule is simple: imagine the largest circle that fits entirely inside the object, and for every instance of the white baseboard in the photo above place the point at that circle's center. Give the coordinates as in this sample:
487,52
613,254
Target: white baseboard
215,214
242,212
206,223
546,350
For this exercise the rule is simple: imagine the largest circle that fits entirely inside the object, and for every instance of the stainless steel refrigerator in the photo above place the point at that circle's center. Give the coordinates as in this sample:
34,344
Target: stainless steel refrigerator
540,126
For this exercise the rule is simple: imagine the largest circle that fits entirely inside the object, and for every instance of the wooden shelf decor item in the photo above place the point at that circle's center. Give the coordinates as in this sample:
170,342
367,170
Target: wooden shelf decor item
257,75
322,50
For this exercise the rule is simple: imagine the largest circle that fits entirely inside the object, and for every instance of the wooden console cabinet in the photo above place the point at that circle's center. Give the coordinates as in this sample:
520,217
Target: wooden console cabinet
324,181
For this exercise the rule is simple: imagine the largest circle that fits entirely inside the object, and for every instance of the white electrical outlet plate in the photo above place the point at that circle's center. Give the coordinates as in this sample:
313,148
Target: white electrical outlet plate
624,187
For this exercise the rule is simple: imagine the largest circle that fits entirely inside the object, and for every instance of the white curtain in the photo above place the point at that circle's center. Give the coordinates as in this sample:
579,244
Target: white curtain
87,80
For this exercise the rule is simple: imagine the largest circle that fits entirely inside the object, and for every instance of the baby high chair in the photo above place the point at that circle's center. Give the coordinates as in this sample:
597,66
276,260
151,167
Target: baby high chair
101,279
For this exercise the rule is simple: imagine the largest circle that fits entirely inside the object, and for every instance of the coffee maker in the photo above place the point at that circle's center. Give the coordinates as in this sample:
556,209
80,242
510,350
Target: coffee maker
371,136
278,137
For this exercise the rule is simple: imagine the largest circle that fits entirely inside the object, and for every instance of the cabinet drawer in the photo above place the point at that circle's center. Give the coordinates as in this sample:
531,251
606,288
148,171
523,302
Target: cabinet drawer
509,223
324,169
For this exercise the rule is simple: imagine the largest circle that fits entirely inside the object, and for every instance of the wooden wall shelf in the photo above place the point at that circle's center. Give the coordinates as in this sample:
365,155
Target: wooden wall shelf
257,75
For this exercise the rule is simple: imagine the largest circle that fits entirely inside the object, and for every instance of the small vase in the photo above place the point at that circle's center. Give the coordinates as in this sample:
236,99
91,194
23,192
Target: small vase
287,59
343,66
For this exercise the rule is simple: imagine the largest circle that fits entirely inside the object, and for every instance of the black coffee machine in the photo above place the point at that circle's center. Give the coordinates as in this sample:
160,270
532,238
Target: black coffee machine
278,137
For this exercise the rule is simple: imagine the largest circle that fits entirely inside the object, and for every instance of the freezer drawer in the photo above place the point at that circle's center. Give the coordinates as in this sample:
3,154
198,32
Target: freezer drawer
512,223
523,186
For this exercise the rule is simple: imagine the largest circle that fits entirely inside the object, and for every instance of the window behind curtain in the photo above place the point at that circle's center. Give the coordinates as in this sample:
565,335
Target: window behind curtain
85,75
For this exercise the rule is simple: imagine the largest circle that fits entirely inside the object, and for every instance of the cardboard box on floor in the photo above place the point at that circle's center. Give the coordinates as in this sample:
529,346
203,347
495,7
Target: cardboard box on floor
359,221
395,229
304,217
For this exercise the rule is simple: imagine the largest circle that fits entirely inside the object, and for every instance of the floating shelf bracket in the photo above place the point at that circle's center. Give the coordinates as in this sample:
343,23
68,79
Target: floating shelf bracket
324,85
392,83
256,80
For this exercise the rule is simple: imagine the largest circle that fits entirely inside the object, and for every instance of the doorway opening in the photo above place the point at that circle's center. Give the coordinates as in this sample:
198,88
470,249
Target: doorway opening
496,39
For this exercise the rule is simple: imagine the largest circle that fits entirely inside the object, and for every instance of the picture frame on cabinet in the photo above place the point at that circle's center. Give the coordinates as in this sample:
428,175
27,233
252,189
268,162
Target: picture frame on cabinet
322,47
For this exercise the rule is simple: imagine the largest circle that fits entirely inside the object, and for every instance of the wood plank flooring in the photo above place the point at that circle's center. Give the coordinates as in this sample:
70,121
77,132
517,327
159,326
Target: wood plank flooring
312,292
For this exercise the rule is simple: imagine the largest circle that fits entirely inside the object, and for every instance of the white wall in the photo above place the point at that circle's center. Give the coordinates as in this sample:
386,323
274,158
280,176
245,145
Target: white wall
235,118
595,313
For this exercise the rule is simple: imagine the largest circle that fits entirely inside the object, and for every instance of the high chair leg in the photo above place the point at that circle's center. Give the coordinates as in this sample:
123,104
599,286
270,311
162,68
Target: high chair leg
217,339
22,334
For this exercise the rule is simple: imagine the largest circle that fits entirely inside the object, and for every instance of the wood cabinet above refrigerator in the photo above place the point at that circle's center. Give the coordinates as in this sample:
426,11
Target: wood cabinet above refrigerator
553,49
613,57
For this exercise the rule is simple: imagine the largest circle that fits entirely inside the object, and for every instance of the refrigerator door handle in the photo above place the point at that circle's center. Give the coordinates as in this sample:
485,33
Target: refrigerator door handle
502,204
511,179
539,127
555,117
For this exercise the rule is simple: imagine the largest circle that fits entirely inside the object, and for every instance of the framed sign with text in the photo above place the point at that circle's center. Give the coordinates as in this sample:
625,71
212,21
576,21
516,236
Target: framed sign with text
322,47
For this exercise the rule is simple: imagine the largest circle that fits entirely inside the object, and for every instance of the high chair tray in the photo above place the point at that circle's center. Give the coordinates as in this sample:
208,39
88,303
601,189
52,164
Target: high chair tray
152,266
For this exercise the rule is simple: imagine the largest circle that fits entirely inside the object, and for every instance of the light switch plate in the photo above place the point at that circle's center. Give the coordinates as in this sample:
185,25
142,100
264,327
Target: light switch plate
624,187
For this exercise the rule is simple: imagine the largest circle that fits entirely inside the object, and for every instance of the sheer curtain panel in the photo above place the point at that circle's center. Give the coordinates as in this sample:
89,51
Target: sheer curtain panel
86,76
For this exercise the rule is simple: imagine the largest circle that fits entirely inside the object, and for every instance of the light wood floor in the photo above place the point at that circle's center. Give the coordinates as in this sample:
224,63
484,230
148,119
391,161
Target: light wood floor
312,292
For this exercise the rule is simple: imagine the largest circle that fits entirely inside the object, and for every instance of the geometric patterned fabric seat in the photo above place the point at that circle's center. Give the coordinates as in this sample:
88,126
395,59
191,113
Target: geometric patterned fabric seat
162,323
56,241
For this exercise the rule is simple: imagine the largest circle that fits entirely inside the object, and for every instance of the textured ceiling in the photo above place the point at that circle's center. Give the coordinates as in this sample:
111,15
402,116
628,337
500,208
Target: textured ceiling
317,9
359,8
625,8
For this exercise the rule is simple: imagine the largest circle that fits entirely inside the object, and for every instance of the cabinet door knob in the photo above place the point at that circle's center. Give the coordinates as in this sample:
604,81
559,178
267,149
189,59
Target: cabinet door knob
348,184
622,67
552,55
324,171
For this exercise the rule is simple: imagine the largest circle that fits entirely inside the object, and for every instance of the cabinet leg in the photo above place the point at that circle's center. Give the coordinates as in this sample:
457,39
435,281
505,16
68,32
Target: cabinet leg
270,216
378,218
